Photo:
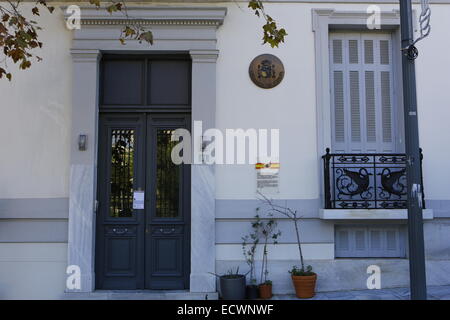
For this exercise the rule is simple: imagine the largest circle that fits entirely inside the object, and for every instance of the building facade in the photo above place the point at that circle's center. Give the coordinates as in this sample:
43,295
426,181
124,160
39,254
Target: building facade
89,127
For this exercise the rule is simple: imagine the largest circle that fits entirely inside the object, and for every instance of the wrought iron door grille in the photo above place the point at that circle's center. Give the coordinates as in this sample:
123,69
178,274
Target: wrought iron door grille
167,177
365,181
122,173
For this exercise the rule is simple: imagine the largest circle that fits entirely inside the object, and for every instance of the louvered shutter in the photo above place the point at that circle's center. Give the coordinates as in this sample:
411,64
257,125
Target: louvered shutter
343,242
363,118
359,242
370,241
338,100
376,241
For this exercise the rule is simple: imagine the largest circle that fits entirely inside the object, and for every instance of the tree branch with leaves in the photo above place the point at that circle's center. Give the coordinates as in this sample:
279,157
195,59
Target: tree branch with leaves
132,31
295,218
19,35
272,34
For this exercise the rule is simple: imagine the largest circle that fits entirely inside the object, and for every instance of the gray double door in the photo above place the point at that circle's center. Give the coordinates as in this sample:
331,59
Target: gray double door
142,244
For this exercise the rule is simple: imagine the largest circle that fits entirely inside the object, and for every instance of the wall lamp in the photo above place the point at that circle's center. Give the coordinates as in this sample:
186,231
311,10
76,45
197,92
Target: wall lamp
82,142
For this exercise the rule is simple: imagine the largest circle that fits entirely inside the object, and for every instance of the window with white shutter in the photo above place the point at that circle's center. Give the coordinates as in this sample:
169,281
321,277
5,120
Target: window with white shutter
362,104
370,241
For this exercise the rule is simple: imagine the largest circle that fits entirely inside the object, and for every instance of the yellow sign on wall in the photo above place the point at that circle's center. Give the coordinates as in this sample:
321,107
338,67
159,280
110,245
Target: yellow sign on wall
267,177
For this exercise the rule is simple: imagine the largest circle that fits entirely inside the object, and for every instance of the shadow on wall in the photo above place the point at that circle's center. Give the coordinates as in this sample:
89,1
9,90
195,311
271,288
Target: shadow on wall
346,274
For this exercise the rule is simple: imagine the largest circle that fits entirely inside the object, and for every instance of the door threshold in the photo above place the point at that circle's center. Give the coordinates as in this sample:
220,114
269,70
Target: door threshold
141,295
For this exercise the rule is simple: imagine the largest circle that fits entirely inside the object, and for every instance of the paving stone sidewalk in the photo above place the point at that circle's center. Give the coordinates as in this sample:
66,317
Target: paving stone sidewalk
434,293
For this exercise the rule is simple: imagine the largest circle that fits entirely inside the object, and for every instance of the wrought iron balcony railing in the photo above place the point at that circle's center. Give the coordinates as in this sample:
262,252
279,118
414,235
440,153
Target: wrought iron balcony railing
365,181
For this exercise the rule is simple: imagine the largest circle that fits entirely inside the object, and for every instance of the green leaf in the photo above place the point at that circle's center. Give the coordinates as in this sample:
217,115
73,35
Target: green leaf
128,31
95,2
147,37
112,8
35,11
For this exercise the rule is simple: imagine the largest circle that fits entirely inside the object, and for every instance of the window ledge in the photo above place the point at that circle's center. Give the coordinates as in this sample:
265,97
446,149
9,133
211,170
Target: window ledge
370,214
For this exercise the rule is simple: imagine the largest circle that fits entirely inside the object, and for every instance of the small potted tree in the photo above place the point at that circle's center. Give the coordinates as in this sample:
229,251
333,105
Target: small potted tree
249,245
303,278
268,233
232,285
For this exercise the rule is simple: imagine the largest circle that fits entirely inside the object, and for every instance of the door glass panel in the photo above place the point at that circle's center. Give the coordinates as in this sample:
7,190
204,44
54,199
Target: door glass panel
167,176
169,82
122,169
122,82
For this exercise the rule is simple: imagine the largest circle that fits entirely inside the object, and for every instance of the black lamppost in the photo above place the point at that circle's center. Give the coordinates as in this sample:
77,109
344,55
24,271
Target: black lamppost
414,187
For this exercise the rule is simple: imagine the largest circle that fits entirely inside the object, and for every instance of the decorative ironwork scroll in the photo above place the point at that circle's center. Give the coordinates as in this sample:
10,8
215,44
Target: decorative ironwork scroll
365,181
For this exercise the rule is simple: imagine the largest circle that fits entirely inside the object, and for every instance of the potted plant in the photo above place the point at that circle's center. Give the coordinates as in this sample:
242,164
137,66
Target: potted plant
232,285
252,290
268,233
249,245
303,278
265,231
265,289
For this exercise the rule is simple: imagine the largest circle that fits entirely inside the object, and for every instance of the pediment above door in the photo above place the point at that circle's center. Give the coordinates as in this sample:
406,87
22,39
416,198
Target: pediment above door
174,28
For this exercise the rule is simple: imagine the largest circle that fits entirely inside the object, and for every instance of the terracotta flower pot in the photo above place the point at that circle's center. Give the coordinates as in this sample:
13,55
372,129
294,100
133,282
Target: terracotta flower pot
265,291
304,286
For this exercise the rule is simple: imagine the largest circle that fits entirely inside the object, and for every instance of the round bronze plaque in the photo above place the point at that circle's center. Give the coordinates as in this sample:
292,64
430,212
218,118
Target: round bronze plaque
266,71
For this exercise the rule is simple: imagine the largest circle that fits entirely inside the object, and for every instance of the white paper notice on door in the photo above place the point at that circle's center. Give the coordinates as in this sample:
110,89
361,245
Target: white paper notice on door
138,199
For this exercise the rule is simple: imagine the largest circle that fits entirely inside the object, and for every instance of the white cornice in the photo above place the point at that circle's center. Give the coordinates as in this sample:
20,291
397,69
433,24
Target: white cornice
154,15
147,22
330,16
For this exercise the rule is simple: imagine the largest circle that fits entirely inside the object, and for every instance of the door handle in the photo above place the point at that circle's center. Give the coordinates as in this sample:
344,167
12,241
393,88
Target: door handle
120,231
166,231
